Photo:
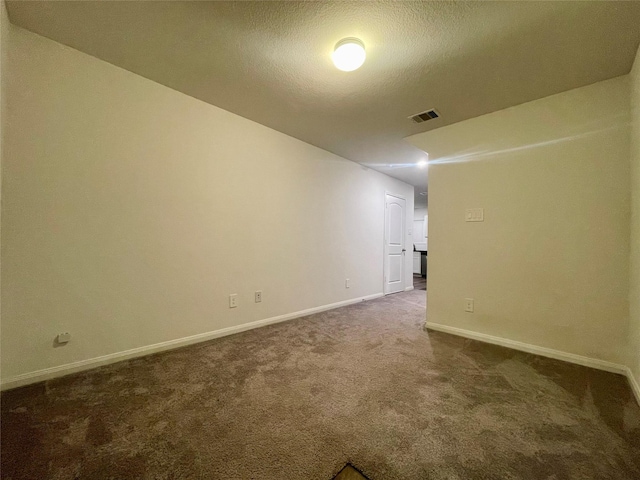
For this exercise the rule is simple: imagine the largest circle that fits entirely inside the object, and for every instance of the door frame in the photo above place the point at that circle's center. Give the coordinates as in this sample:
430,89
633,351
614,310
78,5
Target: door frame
384,243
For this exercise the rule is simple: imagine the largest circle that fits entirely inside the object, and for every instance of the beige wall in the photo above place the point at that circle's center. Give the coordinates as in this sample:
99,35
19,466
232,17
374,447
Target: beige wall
4,43
131,211
634,296
419,213
549,265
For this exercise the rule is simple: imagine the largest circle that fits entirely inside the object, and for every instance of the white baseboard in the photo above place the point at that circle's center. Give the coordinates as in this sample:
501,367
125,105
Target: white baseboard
525,347
408,289
634,384
61,370
545,352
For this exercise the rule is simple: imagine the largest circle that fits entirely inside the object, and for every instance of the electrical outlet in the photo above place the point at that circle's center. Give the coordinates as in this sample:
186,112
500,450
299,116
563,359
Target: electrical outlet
468,305
347,283
258,296
63,338
233,300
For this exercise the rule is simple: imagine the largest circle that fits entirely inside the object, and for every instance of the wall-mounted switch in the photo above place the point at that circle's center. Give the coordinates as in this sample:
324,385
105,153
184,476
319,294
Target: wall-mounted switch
474,215
347,284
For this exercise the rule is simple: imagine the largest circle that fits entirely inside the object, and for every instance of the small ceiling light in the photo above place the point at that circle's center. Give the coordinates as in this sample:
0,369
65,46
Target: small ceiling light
349,54
422,163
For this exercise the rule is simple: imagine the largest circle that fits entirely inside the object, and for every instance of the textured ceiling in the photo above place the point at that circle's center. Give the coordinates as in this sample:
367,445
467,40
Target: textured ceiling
270,61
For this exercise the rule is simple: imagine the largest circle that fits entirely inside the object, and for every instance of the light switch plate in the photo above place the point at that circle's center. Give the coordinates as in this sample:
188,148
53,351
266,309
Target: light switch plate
474,215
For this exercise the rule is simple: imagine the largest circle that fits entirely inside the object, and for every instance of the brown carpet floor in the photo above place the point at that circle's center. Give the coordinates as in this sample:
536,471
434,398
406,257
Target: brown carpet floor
364,384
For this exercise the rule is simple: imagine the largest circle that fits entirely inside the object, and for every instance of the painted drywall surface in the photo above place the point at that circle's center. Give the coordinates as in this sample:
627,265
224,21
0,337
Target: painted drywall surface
131,211
464,58
549,265
419,213
4,39
634,277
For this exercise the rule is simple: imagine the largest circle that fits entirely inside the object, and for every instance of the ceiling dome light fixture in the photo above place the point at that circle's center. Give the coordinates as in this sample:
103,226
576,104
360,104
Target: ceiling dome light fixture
349,54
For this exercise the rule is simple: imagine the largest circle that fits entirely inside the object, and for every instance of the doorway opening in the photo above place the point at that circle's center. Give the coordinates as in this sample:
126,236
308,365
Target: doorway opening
420,242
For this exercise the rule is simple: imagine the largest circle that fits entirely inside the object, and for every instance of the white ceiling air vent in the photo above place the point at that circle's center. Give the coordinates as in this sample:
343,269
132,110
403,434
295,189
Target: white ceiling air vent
424,116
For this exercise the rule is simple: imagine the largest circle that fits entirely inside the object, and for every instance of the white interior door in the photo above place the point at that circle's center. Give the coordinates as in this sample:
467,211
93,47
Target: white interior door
394,246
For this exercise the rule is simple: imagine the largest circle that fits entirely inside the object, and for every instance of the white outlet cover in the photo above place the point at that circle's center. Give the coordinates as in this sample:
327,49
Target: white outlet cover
468,305
233,300
63,337
258,296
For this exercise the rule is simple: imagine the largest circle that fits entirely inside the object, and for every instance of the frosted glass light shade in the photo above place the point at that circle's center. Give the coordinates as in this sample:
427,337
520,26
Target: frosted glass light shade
349,54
